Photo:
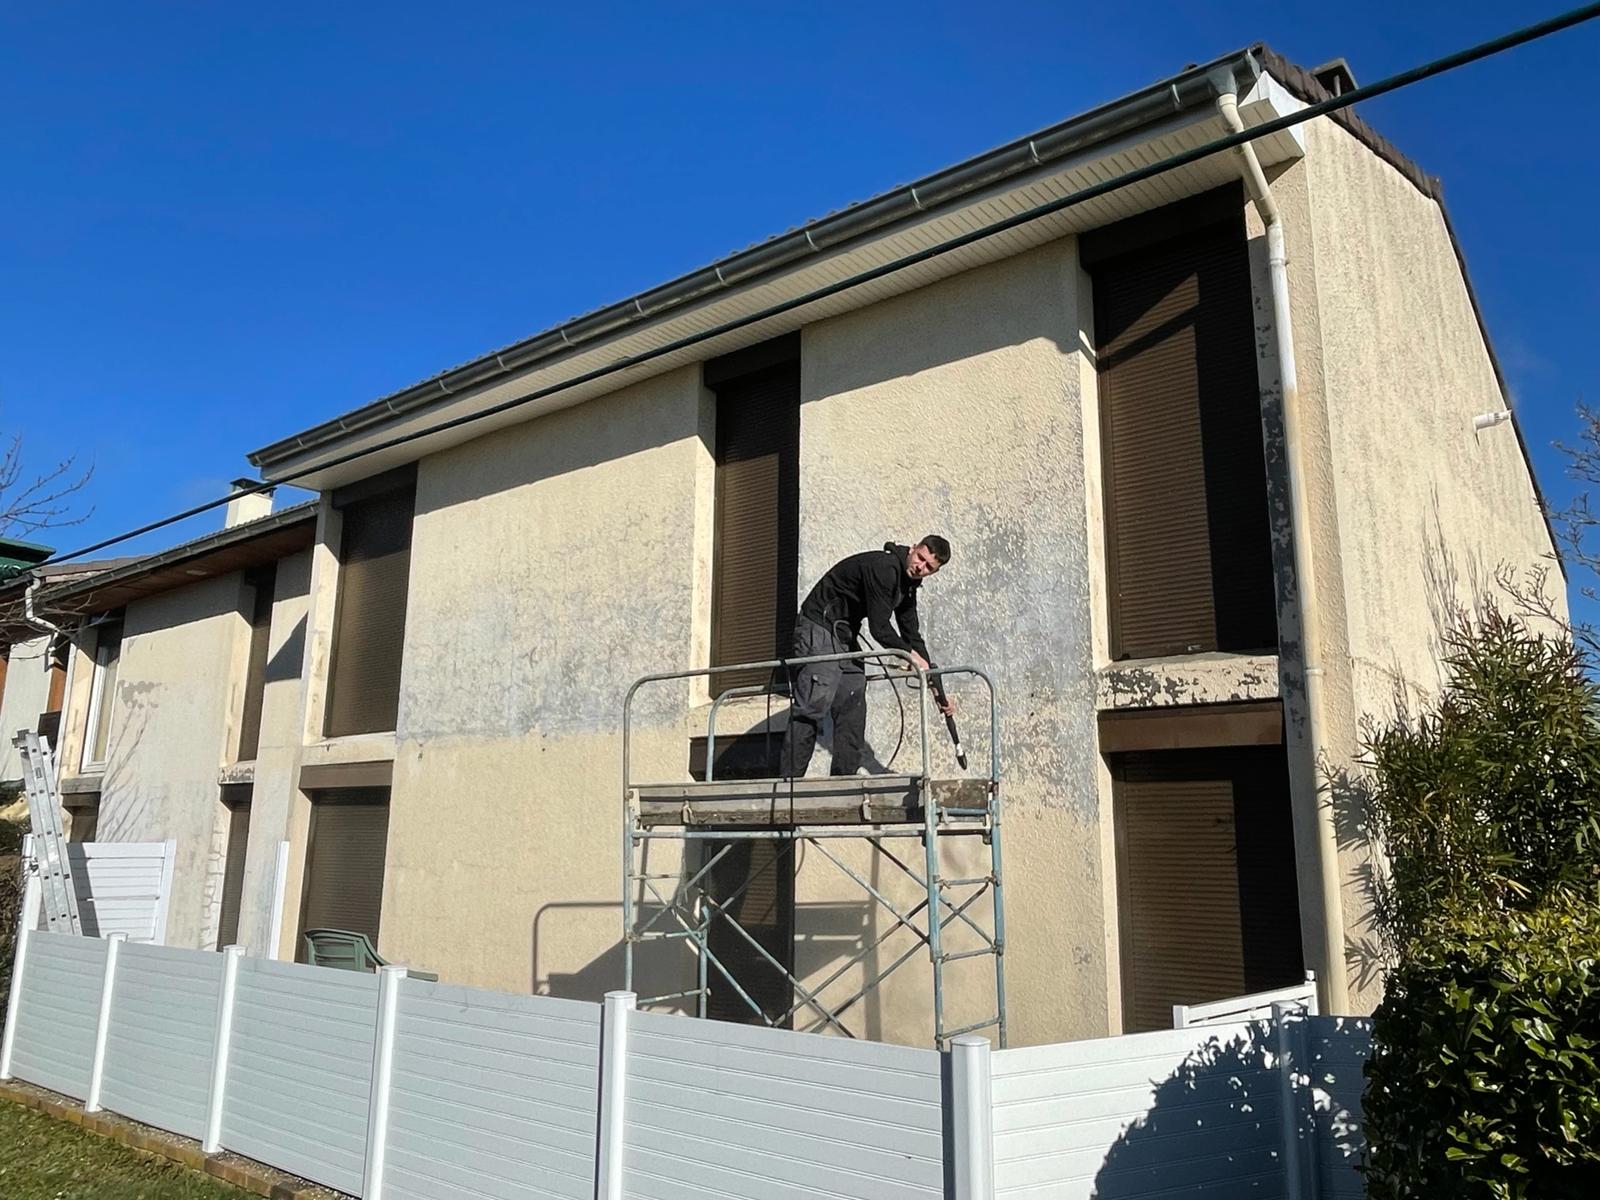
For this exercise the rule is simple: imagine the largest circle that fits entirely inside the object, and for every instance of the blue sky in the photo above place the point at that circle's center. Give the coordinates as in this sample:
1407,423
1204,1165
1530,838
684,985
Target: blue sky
220,224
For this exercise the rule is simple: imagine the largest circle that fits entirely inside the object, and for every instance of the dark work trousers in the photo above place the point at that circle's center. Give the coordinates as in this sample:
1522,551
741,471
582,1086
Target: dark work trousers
839,688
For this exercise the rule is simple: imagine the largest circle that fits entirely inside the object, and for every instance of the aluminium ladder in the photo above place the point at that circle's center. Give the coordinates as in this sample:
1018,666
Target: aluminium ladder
879,811
49,840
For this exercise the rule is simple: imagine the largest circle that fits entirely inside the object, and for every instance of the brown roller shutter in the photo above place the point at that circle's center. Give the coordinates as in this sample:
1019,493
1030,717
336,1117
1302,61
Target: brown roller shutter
344,862
255,680
370,624
765,910
1187,523
1206,879
757,527
49,726
237,799
84,818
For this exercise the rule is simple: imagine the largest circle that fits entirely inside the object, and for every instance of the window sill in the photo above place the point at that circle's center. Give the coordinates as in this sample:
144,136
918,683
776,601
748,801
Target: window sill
359,760
353,748
1187,679
76,785
243,771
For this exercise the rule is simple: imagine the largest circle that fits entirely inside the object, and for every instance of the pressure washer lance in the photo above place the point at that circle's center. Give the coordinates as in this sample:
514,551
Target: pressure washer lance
937,685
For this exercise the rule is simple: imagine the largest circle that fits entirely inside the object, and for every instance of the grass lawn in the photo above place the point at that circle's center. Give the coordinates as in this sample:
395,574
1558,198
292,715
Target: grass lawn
45,1159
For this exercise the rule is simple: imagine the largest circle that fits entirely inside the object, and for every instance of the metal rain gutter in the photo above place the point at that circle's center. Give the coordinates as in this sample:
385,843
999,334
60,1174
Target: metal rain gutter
1190,89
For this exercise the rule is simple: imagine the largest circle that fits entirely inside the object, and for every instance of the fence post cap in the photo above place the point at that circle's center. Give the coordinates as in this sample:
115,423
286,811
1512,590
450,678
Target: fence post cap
624,999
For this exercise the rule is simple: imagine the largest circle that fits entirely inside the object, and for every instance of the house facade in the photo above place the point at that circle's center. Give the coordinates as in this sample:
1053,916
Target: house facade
1149,440
164,679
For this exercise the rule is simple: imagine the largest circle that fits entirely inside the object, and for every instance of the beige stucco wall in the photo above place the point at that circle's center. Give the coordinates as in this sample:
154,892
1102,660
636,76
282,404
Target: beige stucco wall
27,689
1428,508
957,409
275,798
551,565
555,562
177,699
1413,510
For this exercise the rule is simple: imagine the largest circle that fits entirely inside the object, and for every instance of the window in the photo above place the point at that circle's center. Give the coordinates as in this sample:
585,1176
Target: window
755,560
1206,878
255,683
370,622
236,803
1188,541
102,694
344,861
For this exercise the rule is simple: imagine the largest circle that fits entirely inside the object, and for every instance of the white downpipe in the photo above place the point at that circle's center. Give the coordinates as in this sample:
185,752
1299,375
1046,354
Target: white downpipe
1331,969
30,615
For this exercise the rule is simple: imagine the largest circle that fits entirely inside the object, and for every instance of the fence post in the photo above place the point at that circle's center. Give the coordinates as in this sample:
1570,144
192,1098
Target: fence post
613,1093
102,1028
231,955
1289,1022
27,922
971,1118
382,1069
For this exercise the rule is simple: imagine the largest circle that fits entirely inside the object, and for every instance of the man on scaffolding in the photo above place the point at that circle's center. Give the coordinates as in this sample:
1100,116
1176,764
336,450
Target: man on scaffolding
874,587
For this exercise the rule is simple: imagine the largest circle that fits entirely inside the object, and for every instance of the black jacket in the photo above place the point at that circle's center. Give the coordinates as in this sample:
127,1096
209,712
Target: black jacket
871,587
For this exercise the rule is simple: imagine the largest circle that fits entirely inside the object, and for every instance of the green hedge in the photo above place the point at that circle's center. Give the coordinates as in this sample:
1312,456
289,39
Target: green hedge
1485,1076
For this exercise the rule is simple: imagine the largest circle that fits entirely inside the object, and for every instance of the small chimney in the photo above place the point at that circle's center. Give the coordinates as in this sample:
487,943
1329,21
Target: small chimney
246,505
1336,76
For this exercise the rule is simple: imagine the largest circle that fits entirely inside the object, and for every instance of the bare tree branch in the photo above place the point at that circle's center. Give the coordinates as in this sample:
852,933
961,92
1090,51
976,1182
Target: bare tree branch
43,501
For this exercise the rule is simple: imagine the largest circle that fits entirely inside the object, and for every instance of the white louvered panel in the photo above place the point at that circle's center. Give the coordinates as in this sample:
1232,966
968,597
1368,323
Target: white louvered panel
300,1070
58,1010
1190,1112
493,1096
162,1037
738,1111
1338,1048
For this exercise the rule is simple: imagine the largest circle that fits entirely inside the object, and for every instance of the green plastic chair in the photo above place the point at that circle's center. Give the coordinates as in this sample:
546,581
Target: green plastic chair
345,950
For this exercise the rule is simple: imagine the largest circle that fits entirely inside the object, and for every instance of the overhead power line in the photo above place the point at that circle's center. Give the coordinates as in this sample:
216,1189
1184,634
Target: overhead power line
1392,83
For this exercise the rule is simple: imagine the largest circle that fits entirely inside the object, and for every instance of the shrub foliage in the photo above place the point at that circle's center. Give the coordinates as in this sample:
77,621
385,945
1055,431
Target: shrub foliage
1484,1078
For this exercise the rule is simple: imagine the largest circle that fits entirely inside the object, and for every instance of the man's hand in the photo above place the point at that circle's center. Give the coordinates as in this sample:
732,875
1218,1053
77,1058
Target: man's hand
947,706
917,660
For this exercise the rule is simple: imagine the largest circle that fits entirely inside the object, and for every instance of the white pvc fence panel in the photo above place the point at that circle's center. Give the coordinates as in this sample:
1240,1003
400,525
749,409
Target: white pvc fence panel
1338,1047
163,1027
492,1096
1191,1112
58,1011
730,1111
123,887
421,1091
300,1070
1257,1006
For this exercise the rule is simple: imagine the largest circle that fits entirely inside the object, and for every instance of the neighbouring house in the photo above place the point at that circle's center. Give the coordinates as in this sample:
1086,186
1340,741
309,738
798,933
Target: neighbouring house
171,691
33,653
1095,406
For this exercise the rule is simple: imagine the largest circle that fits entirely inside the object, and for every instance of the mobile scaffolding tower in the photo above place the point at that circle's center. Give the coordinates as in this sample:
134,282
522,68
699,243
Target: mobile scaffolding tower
878,810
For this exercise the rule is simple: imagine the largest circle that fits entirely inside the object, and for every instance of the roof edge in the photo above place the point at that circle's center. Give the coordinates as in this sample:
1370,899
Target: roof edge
206,544
1177,93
